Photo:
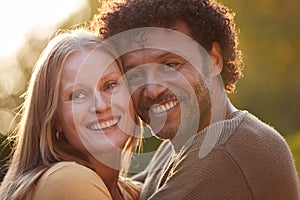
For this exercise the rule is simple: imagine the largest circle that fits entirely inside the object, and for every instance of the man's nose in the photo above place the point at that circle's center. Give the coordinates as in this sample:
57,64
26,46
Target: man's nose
154,85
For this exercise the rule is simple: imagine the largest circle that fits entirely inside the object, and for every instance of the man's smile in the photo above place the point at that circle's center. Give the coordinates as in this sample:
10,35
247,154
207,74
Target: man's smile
160,108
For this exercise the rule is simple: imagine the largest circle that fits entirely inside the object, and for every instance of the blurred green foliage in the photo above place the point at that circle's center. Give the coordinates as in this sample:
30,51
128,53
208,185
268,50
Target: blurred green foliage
269,39
294,143
5,150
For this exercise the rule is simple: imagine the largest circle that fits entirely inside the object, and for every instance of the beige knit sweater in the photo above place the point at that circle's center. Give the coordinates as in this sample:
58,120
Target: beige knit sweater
239,158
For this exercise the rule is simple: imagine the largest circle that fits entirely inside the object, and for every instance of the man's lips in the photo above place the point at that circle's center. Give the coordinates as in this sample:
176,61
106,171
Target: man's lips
163,107
163,103
103,124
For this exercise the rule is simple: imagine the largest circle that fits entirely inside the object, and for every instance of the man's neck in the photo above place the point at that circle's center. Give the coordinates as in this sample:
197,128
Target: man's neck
178,143
230,108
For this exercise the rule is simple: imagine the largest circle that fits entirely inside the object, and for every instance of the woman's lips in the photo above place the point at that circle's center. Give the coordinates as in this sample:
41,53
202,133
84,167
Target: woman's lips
102,125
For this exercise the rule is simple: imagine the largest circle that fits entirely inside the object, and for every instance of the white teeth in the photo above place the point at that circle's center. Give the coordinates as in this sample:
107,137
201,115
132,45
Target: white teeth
167,106
104,125
163,108
171,104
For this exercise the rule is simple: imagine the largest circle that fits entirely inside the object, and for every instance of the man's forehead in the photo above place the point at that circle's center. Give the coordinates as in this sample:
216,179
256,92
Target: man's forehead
138,42
150,37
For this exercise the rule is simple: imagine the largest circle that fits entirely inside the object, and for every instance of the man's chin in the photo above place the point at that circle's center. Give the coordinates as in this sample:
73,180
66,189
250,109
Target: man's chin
166,134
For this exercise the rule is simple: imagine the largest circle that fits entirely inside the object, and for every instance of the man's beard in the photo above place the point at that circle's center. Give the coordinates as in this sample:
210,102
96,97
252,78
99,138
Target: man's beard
195,112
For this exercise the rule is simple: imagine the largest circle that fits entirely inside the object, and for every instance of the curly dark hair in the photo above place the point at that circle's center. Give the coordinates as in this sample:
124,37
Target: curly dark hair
208,20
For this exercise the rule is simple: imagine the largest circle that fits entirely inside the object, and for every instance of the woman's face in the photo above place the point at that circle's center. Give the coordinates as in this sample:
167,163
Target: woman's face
95,111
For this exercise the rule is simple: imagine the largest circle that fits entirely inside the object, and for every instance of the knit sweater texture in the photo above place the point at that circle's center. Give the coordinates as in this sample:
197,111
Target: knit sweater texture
238,158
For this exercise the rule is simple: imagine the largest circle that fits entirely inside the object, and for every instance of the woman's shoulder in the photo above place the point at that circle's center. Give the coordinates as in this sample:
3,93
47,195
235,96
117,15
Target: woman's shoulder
69,180
68,168
62,172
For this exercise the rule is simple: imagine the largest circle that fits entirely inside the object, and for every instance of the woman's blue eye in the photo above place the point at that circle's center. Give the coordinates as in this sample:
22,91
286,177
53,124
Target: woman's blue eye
78,95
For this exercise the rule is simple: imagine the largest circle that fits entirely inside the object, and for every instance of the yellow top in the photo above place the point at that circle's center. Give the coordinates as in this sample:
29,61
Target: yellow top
69,180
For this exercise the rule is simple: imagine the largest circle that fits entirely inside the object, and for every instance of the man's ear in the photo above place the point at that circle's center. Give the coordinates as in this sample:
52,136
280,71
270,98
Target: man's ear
217,58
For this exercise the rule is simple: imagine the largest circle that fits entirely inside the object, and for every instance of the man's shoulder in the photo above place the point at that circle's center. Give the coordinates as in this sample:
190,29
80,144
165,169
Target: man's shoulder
256,140
243,134
254,129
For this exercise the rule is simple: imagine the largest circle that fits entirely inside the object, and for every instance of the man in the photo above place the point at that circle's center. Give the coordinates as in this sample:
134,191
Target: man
215,151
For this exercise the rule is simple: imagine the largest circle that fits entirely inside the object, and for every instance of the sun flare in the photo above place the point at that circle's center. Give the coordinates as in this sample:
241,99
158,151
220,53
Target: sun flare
19,19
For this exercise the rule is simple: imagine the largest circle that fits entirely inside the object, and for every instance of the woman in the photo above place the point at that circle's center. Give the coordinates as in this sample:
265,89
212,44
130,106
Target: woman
77,120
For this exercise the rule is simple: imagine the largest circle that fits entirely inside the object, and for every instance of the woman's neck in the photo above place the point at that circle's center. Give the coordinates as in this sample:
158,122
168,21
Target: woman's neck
109,175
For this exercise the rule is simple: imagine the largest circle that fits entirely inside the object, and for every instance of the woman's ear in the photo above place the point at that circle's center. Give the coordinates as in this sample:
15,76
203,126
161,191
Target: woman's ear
57,124
217,58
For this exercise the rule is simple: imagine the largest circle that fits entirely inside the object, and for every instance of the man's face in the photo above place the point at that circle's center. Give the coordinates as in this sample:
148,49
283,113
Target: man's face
168,92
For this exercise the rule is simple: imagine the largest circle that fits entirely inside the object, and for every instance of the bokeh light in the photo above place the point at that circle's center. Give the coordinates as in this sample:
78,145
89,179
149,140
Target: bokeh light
20,21
7,122
18,17
12,81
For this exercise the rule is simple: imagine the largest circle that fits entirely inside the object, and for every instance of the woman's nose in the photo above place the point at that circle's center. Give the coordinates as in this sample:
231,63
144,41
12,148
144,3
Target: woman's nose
101,103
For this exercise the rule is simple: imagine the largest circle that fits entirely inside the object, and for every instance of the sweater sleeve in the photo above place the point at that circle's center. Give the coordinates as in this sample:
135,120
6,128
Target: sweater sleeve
216,176
68,180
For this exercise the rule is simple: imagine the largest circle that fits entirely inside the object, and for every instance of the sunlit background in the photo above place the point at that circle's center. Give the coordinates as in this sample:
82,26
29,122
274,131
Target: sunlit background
269,38
25,26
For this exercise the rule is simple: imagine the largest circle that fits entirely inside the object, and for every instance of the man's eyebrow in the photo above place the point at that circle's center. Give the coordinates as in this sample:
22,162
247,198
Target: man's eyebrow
164,54
170,54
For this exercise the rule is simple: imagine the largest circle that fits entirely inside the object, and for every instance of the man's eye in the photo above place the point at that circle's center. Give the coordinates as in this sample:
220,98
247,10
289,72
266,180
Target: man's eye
169,66
172,64
111,85
79,94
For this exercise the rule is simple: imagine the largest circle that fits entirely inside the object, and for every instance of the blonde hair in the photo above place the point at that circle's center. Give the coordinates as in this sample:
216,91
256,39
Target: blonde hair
36,147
